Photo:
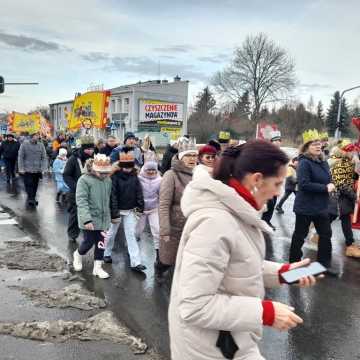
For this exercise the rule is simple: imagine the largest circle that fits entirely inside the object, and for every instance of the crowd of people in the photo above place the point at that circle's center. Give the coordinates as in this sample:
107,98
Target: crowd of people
208,209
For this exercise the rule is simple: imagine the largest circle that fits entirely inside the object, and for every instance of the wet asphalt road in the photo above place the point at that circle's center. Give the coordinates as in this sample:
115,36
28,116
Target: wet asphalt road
331,310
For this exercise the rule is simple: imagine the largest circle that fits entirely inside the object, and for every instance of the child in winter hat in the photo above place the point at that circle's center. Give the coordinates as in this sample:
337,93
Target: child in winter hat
150,181
126,202
93,192
58,170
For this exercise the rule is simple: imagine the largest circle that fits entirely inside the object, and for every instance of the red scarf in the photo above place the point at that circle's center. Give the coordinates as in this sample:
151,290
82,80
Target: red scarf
243,192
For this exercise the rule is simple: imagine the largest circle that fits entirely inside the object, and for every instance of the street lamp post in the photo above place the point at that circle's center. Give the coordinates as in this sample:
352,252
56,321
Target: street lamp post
337,131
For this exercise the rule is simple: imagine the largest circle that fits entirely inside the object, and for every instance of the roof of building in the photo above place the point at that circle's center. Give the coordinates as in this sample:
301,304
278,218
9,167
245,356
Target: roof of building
140,84
62,102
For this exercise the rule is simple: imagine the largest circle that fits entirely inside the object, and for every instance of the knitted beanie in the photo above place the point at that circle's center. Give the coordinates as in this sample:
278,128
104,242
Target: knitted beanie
150,165
87,142
62,152
207,149
129,135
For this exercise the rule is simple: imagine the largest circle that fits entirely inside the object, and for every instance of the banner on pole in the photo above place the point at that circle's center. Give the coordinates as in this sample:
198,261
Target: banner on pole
21,123
265,131
89,110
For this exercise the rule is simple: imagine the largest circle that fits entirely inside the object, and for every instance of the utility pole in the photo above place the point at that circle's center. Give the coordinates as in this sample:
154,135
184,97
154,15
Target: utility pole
338,131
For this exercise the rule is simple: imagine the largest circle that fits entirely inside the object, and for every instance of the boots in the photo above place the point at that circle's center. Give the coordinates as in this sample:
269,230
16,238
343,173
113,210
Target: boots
58,197
352,251
157,256
77,262
160,268
98,270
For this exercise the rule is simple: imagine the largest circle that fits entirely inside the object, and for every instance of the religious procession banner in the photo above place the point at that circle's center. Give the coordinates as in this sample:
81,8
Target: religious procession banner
24,123
89,110
264,130
45,127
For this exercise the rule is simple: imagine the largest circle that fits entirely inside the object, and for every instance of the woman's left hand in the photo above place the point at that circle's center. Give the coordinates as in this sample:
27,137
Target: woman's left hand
307,281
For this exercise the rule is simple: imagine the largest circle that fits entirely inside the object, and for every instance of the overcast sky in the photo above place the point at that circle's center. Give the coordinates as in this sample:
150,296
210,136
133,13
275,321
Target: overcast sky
67,45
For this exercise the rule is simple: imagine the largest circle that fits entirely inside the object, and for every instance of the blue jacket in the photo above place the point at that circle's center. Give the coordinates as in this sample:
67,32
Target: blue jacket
313,176
58,170
137,154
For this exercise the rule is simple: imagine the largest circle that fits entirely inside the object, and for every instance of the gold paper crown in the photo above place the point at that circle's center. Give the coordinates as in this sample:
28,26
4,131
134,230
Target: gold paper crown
324,136
310,135
185,144
126,156
224,135
101,163
344,142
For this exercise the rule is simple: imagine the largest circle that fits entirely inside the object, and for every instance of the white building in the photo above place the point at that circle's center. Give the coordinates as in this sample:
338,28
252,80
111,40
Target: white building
157,108
58,114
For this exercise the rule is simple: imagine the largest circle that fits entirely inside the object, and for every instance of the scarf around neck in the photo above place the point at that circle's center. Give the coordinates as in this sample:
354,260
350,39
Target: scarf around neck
243,192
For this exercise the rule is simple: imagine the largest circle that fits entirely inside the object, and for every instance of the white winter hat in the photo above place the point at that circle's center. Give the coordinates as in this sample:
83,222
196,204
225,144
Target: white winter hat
187,152
62,152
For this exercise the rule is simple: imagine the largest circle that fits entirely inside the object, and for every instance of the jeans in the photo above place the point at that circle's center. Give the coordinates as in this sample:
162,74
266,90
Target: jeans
73,230
153,218
323,228
130,222
31,183
92,238
270,210
10,165
284,198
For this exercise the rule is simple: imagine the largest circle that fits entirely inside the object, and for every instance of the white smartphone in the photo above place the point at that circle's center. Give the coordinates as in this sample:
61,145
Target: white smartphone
293,276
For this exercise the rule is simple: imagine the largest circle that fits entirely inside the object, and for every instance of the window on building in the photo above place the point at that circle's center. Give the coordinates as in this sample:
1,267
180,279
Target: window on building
126,105
113,106
119,105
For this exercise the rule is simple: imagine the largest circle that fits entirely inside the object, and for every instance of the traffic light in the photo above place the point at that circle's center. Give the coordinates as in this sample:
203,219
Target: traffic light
2,85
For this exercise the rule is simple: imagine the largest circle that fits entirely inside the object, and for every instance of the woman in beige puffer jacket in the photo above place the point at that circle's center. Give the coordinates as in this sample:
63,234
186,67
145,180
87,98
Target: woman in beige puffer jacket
220,272
171,218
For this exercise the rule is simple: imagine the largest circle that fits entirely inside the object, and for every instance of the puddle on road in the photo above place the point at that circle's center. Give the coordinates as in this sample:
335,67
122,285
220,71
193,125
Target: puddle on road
73,296
28,255
102,326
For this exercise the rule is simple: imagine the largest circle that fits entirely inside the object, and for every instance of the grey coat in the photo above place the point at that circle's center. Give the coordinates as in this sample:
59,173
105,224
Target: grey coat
32,157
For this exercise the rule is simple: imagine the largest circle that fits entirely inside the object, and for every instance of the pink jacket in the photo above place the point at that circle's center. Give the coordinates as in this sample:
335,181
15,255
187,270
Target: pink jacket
151,190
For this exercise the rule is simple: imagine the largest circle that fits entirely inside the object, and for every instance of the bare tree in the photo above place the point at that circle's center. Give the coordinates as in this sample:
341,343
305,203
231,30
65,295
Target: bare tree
43,110
260,67
204,125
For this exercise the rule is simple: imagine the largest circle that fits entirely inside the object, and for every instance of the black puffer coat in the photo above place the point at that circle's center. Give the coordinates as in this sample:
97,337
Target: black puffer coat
9,150
167,158
74,168
126,193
